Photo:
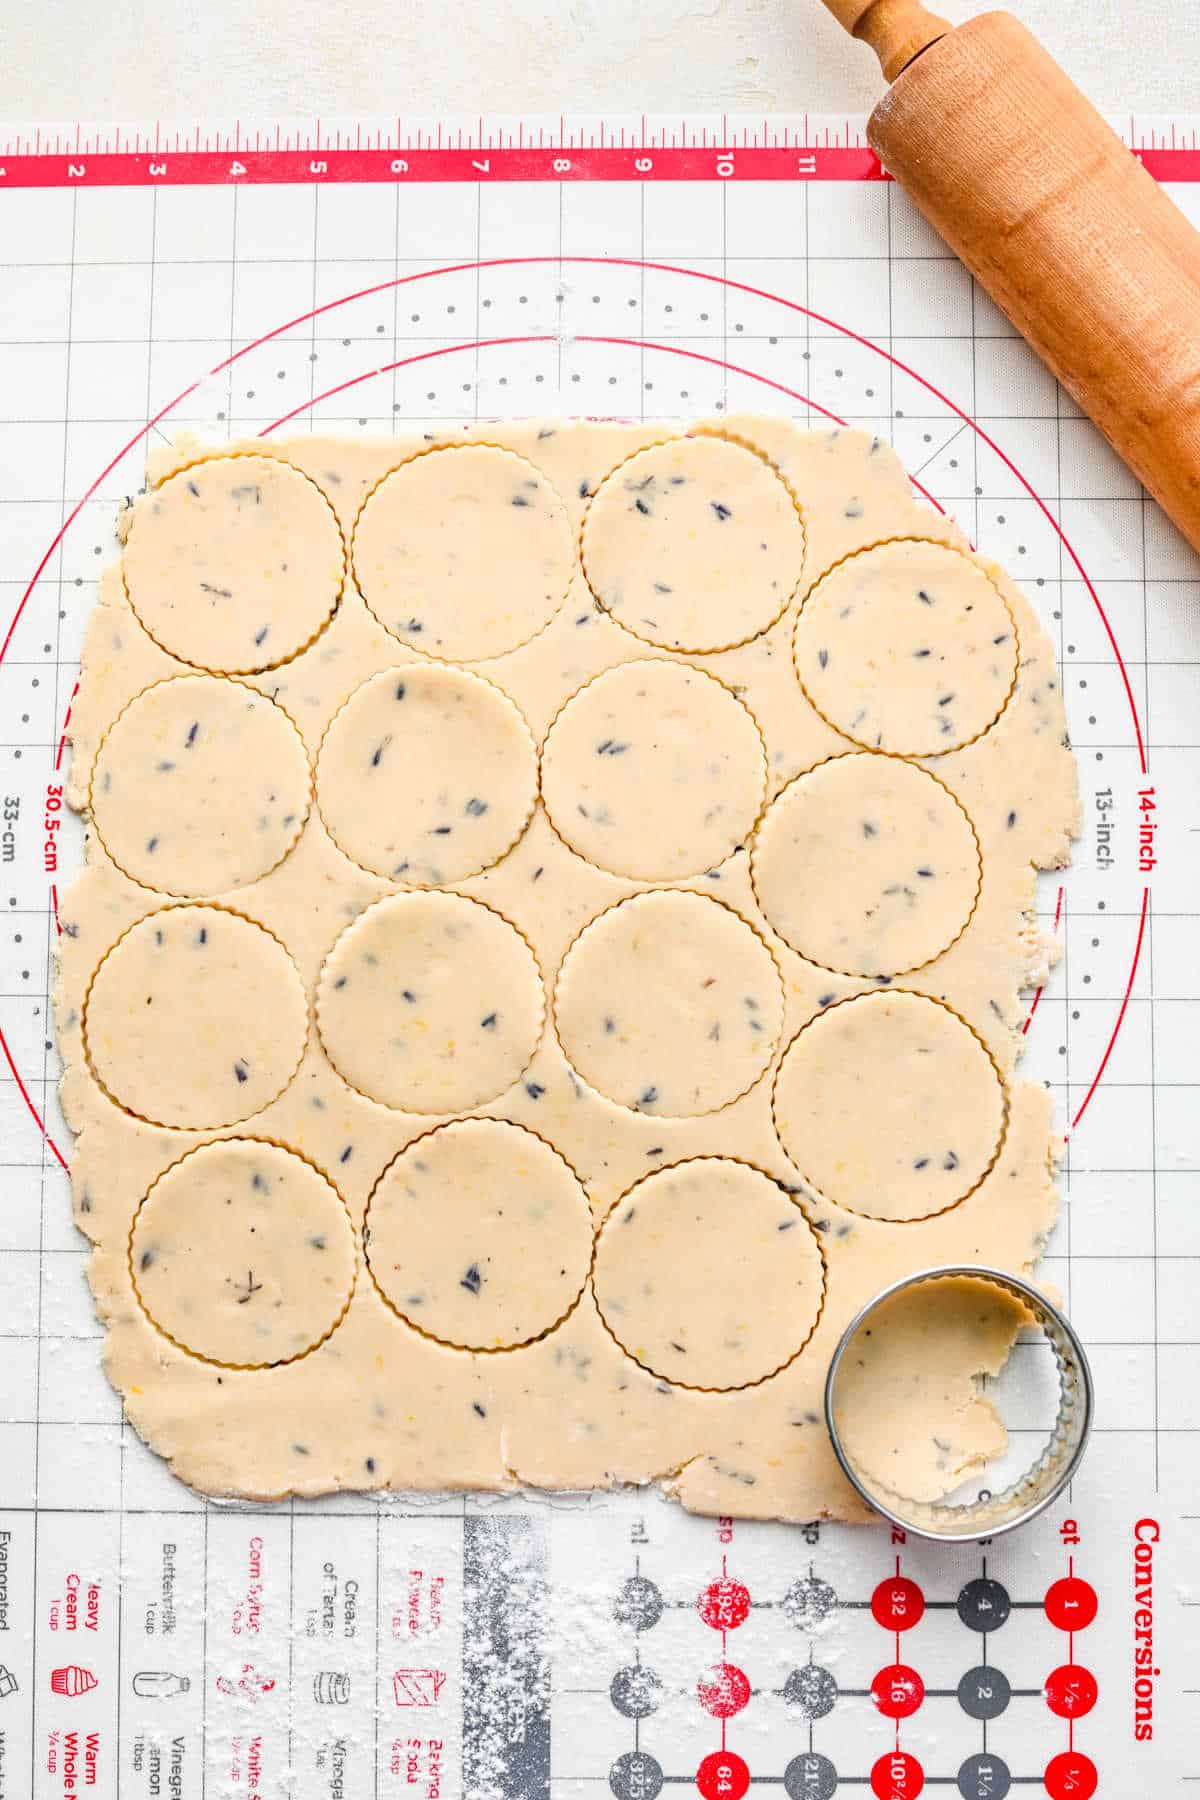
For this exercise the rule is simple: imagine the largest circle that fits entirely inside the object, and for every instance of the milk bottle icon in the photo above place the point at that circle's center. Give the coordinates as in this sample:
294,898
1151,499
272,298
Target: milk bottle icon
159,1684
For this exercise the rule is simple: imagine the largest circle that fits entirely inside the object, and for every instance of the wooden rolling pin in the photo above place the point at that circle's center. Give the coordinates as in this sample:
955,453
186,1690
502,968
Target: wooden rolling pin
1074,241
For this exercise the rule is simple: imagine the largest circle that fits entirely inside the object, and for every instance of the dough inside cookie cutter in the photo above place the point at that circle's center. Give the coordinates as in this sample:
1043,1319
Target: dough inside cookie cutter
1033,1491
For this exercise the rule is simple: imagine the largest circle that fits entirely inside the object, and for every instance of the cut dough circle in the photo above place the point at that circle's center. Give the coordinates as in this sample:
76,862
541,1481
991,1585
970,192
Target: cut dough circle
669,1003
890,1106
428,774
235,564
695,544
907,647
202,785
480,1235
866,865
709,1275
430,1003
464,552
196,1018
243,1253
654,770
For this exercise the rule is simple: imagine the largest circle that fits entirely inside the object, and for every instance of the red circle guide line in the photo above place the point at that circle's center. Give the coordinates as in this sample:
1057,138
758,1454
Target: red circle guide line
1120,1018
580,337
656,268
623,262
28,1099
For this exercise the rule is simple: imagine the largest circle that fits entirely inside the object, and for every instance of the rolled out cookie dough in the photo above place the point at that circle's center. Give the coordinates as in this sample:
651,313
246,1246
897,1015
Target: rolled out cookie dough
907,647
427,775
709,1274
464,553
669,1004
867,865
890,1105
694,546
480,1235
196,1017
243,1253
619,1143
202,785
235,563
655,770
431,1003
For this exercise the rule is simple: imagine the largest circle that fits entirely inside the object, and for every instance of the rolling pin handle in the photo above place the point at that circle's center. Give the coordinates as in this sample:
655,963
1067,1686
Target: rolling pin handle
897,30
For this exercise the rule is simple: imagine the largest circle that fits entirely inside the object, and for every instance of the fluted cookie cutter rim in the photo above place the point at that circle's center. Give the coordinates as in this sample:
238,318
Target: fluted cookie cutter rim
1041,1484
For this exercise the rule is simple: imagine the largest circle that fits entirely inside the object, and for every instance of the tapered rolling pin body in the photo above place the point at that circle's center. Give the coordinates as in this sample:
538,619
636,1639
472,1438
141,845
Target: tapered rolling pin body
1071,237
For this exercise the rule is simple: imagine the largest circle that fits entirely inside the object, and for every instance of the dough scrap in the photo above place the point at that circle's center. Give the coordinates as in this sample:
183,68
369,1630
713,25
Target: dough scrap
196,1017
890,1105
908,1414
669,1004
907,647
201,786
243,1253
427,775
234,564
550,1398
430,1002
709,1274
694,545
654,770
480,1235
464,553
867,865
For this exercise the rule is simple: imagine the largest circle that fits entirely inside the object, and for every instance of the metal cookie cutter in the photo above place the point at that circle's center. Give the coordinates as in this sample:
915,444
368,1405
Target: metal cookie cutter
1033,1491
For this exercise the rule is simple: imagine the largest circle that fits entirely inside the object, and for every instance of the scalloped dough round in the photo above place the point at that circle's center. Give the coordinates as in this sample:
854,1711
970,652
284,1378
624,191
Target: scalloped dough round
654,770
890,1106
235,564
709,1275
480,1235
430,1003
243,1253
464,552
201,786
670,1004
694,544
195,1018
907,647
427,775
866,865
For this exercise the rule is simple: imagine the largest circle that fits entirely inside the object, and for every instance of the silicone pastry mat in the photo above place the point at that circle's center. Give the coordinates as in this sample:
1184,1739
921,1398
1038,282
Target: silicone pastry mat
471,1646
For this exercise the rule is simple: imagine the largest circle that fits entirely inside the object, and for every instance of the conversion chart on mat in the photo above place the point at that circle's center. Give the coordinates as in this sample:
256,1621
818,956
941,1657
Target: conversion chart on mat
370,279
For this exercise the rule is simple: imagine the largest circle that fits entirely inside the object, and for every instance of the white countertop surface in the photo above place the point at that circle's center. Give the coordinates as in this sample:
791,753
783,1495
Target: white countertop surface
269,59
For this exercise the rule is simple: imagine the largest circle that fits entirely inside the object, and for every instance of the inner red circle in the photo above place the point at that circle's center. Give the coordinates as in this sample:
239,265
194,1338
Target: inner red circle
897,1604
897,1691
723,1690
723,1776
724,1604
1071,1603
897,1776
1070,1776
1071,1691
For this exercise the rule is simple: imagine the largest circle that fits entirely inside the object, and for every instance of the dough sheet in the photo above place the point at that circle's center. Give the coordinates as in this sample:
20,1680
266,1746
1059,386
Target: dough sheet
557,902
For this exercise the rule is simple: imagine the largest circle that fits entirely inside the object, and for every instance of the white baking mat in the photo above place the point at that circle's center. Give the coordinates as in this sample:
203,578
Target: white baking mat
354,280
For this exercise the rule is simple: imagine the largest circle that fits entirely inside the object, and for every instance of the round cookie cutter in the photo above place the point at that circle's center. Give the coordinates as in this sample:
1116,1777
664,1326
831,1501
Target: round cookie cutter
1040,1485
